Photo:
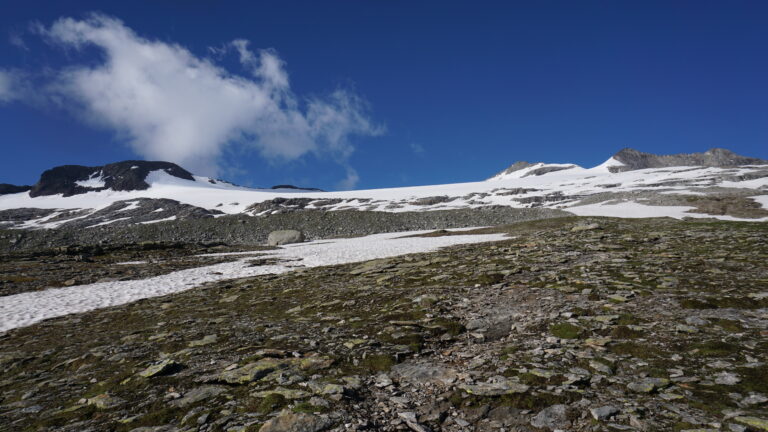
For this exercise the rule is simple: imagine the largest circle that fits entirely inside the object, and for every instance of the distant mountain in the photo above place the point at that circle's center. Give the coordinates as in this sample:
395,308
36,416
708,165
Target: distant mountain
6,188
522,169
632,159
287,186
129,175
716,183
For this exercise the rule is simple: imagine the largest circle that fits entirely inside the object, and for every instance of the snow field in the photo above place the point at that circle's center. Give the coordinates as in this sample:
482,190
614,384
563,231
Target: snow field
25,309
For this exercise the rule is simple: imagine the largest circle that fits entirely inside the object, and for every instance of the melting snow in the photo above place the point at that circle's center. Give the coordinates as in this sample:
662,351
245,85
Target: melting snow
25,309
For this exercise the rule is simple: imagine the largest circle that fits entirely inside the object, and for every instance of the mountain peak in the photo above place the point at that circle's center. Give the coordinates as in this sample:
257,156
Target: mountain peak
524,169
127,175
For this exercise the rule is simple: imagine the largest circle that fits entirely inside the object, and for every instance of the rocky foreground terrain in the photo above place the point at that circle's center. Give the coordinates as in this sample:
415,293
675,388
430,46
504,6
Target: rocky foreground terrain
574,324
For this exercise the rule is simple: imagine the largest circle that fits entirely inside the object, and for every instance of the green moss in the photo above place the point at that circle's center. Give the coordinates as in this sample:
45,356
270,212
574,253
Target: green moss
565,330
272,402
489,278
157,416
456,398
537,401
453,328
378,362
716,348
61,419
732,326
754,379
624,332
723,302
696,304
628,319
643,351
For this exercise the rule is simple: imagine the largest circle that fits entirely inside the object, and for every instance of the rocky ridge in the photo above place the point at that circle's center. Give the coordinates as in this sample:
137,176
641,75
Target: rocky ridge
717,157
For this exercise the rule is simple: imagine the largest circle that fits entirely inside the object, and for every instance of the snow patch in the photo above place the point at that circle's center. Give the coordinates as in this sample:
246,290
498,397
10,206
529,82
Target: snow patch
95,181
25,309
170,218
108,222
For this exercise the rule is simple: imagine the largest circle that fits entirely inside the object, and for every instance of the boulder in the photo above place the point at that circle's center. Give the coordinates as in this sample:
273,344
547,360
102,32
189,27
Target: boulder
285,237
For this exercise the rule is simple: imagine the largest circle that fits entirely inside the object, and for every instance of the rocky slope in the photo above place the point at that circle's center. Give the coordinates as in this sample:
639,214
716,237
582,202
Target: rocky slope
572,324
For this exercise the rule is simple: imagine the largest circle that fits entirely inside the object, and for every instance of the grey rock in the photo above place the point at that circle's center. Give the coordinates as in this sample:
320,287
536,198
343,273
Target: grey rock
604,412
282,237
288,421
495,388
424,373
165,428
716,157
553,417
198,394
648,385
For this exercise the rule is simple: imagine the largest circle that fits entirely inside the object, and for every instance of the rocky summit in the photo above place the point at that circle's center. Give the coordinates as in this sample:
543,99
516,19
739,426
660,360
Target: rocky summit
570,324
69,180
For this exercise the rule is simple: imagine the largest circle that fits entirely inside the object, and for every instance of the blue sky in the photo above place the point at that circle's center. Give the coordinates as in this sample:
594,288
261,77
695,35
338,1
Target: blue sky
382,93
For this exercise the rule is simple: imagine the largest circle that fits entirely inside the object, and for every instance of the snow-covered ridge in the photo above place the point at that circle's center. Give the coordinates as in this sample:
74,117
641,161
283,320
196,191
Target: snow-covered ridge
663,191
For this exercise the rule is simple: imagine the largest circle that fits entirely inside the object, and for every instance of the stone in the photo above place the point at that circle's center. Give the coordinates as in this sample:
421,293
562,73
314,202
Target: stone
198,394
601,367
604,412
754,422
165,367
289,394
424,373
727,378
587,227
164,428
251,371
553,417
648,385
498,388
505,415
288,421
282,237
105,401
754,399
206,340
694,320
410,420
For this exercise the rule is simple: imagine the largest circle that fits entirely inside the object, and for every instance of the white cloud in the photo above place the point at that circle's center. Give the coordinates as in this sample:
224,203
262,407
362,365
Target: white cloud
175,106
9,83
350,181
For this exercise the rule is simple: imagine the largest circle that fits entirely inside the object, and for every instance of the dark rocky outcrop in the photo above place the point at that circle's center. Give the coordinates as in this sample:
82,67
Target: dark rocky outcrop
287,186
6,189
716,157
119,176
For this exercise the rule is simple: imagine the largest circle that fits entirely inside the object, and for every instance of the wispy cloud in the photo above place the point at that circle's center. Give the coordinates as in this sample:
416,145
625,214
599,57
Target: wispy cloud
172,105
417,148
10,85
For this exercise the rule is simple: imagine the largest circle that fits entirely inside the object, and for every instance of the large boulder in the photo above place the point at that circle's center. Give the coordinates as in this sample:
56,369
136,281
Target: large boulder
285,237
